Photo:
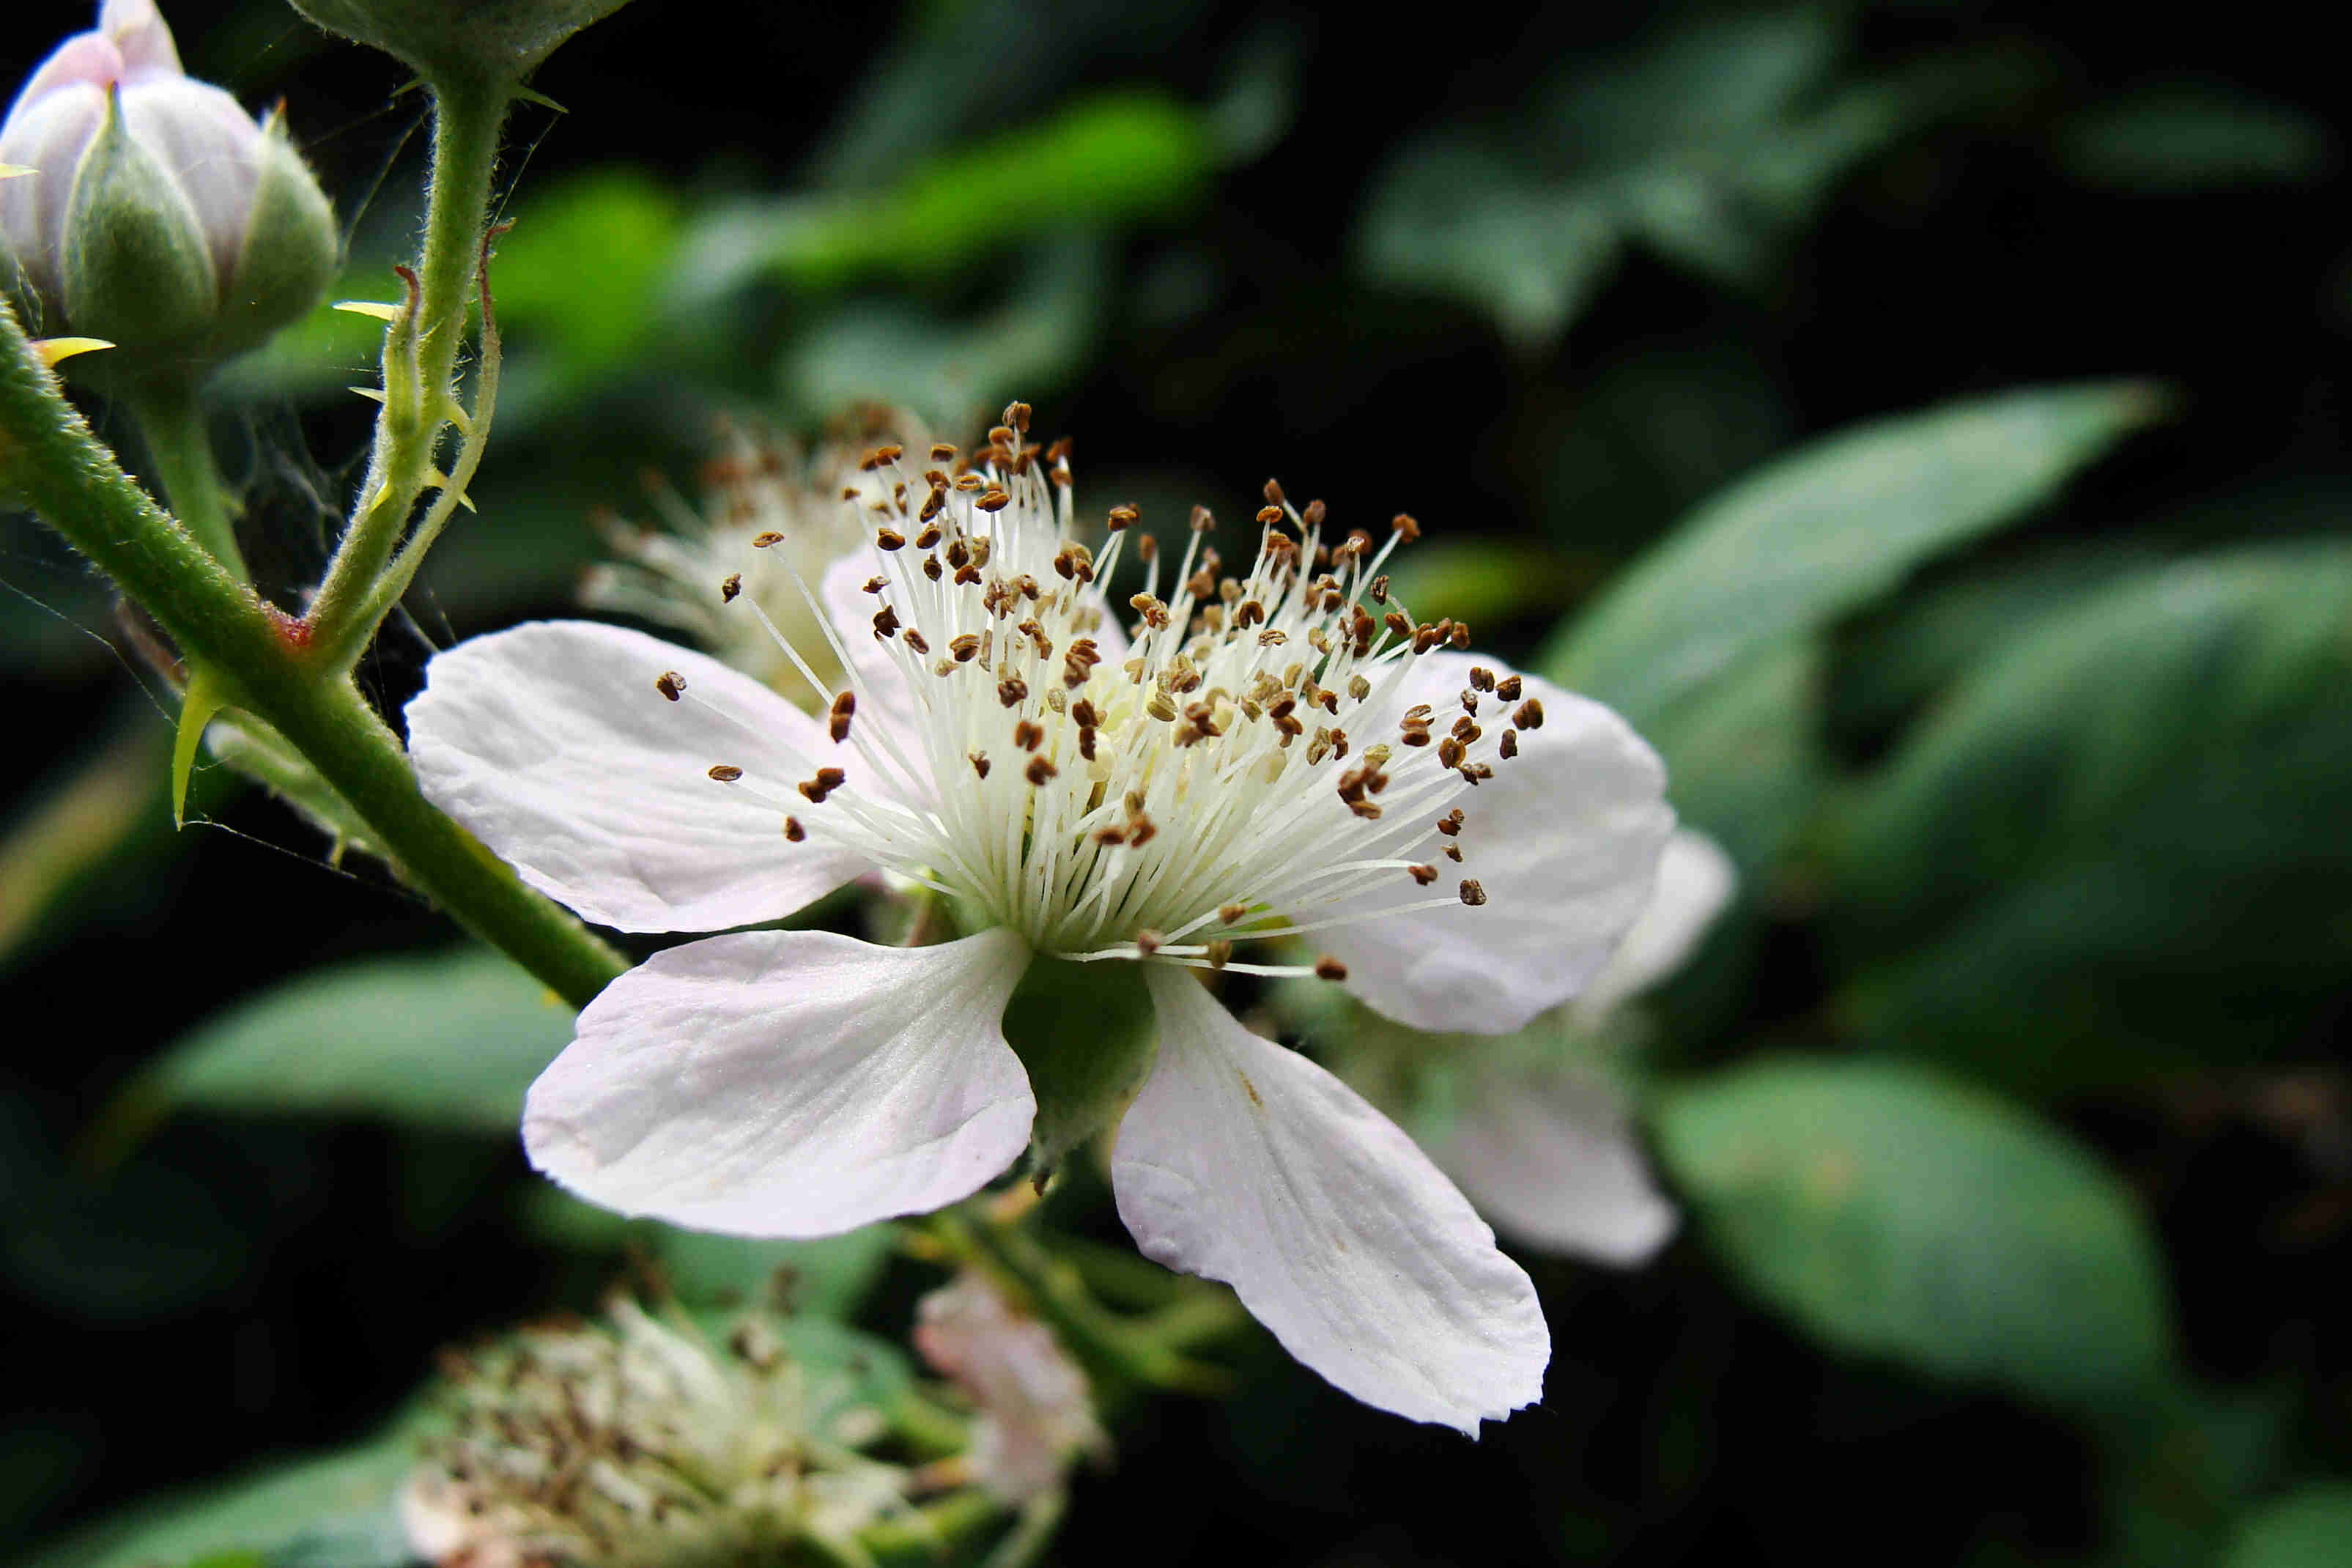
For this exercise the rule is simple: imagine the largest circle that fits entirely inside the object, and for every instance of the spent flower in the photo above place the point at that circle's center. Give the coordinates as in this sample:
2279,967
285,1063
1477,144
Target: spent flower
1280,752
1034,1414
161,215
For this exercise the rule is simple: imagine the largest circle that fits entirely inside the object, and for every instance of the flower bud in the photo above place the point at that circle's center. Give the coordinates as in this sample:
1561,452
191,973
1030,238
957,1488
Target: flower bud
498,42
161,215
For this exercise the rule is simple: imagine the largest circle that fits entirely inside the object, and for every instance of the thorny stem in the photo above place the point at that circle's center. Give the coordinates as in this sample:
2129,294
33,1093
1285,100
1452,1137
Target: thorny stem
172,422
49,458
465,123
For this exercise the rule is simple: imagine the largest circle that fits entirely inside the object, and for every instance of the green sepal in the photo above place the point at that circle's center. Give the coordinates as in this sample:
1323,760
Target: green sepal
136,268
206,695
1085,1032
483,41
290,251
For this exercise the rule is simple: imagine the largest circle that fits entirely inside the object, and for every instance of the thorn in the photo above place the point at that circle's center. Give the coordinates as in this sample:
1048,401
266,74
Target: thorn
52,349
377,309
372,393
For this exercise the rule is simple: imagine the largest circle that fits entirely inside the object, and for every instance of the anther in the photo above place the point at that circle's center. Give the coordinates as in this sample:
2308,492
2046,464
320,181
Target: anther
1124,517
875,585
963,646
1229,913
1424,875
1313,514
886,624
793,831
827,779
979,760
765,540
1027,733
1509,743
930,534
993,500
1528,715
671,684
1202,519
1220,952
730,587
944,452
843,707
1039,770
726,773
1405,527
1454,853
1472,893
1330,968
1507,689
1269,515
1148,942
1011,690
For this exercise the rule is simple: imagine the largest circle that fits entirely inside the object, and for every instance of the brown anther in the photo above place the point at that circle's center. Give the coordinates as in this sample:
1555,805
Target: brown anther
671,684
993,500
1147,548
916,640
827,779
1124,517
967,573
1148,942
726,772
1405,527
1202,519
765,540
793,831
970,482
1466,729
1229,913
1312,514
1481,679
1084,713
1507,689
1509,745
1220,952
1273,636
1451,823
881,457
843,706
1528,715
1269,515
1011,690
1426,637
1330,968
963,646
1017,416
1449,752
1140,831
730,587
886,624
979,760
943,453
1027,733
1424,875
1003,435
1110,837
1472,893
875,585
1380,589
1454,853
1039,770
1365,809
931,568
928,536
1087,742
1461,636
1396,623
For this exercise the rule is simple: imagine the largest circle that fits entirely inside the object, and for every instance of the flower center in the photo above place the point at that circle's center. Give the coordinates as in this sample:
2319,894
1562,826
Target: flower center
1247,767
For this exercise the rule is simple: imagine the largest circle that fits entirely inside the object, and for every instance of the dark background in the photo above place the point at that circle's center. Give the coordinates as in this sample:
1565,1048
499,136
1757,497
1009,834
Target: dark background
241,1287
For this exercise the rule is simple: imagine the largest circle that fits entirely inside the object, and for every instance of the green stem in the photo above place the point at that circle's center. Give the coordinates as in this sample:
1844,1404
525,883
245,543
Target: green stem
50,457
466,118
172,422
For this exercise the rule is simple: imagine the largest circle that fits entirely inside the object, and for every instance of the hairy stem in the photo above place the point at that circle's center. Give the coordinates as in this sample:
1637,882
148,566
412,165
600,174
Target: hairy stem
466,118
172,422
49,458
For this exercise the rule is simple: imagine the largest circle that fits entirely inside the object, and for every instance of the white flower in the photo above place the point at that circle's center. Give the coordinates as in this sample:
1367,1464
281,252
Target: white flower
1034,1411
1277,753
1540,1136
755,488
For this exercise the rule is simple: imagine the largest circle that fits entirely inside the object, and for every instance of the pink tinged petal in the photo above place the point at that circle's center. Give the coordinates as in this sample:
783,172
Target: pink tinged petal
139,30
210,146
1695,879
552,742
1564,841
85,59
1245,1162
1552,1159
789,1083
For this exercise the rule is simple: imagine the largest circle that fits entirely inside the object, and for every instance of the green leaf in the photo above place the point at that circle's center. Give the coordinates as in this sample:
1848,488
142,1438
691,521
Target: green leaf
2187,137
2106,859
334,1511
1743,751
1892,1213
1828,528
2311,1527
450,1040
1122,157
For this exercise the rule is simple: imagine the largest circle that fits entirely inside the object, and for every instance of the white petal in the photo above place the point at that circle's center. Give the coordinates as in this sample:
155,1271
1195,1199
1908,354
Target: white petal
1550,1157
551,742
1564,840
1248,1163
789,1083
1695,879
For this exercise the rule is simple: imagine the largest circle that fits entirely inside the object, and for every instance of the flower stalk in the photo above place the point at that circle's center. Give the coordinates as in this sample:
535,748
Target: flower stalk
171,420
50,459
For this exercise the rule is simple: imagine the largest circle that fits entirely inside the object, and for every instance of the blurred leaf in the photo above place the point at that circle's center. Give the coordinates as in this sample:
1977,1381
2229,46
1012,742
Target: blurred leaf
1743,751
1711,143
2111,856
2180,1467
1925,643
81,822
2309,1528
2188,138
829,1277
953,366
577,272
1829,528
1892,1214
1116,157
334,1511
450,1040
